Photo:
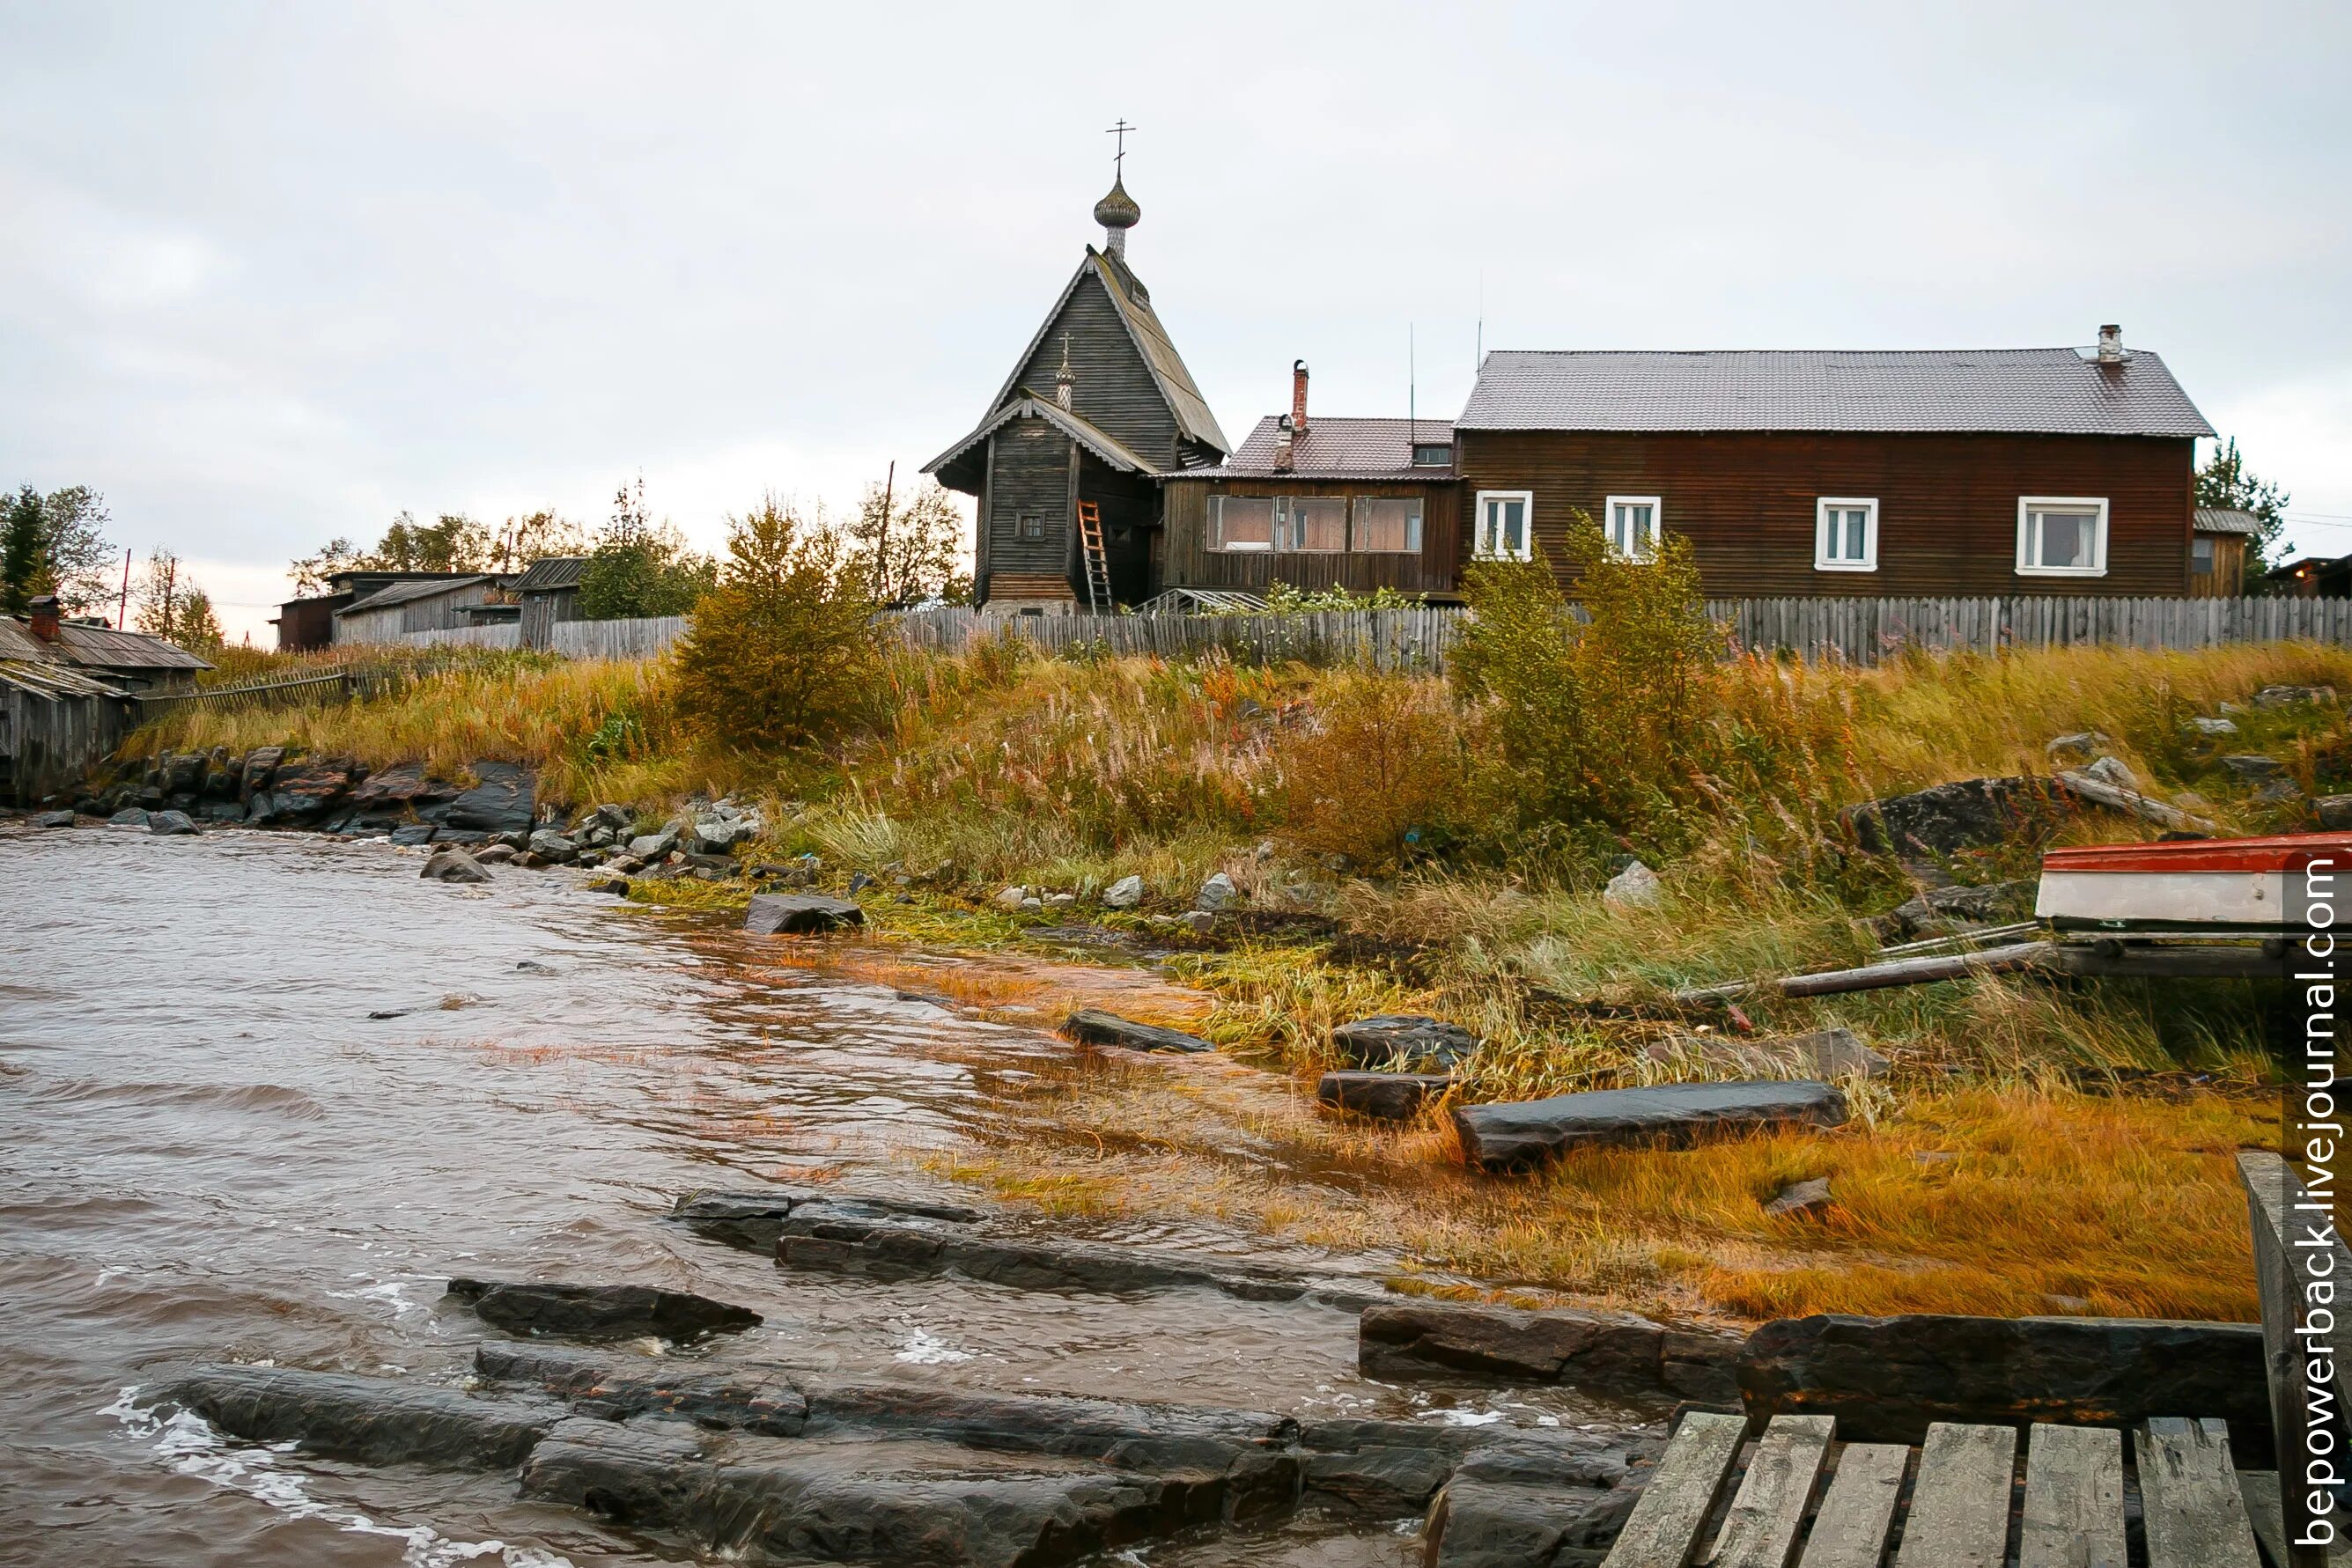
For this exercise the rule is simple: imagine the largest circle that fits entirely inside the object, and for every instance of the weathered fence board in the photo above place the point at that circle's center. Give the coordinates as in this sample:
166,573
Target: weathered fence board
506,635
641,639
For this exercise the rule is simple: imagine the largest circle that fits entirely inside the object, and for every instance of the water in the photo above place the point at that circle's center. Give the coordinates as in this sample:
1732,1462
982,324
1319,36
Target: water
209,1150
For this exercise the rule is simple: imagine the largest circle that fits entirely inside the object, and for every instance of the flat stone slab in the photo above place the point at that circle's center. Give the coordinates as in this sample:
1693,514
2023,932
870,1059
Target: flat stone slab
799,914
1402,1040
1885,1379
1383,1096
502,802
373,1420
599,1312
753,1221
1518,1134
1091,1026
1612,1353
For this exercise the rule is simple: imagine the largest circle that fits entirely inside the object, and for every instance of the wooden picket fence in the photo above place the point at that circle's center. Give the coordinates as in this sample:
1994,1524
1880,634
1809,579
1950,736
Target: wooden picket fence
1857,631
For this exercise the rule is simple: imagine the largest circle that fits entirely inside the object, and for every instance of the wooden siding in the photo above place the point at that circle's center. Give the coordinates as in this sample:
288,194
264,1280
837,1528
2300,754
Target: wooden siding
1187,561
1947,504
2228,577
437,613
1115,390
47,743
1029,472
541,610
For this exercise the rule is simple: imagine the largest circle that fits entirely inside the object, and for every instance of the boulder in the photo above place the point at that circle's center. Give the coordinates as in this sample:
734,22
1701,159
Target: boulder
223,811
1610,1352
600,1311
1382,1096
617,818
1635,887
54,820
1124,894
1968,813
501,802
2254,769
1515,1134
494,854
2333,811
1011,899
450,864
2293,696
1091,1026
1403,1039
653,846
170,823
1483,1524
399,788
2213,725
371,1420
716,835
260,768
1217,893
413,834
753,1221
2080,745
129,817
799,914
552,847
1984,904
222,772
2110,771
303,792
1885,1379
1801,1197
182,772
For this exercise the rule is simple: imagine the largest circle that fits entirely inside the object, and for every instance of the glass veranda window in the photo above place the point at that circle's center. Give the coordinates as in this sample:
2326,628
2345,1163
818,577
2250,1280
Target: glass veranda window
1241,522
1388,524
1312,523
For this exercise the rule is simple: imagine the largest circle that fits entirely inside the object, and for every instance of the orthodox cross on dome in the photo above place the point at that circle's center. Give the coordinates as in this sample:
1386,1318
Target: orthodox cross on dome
1119,158
1116,212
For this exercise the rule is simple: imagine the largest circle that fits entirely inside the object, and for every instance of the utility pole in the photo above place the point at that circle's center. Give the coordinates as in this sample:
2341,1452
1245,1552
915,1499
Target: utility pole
882,535
123,611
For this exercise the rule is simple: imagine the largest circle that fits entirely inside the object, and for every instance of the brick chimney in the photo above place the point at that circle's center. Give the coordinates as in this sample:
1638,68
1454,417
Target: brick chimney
1283,440
2111,345
43,617
1298,396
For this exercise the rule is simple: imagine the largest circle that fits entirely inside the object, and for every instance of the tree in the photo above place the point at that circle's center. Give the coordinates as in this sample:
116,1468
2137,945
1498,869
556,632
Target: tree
55,544
785,652
2225,481
451,542
525,540
912,552
640,567
174,607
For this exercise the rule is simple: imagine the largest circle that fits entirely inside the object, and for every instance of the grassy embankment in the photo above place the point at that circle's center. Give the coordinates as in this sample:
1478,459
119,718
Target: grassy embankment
2069,1184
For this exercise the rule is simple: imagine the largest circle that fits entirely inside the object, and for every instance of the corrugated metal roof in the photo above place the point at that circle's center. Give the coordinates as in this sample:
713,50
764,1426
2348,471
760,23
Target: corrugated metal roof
1338,449
409,592
2052,392
551,572
94,647
2226,520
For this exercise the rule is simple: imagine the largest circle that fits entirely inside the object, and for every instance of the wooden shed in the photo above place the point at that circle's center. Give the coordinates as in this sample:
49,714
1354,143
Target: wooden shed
2220,538
55,724
429,604
549,592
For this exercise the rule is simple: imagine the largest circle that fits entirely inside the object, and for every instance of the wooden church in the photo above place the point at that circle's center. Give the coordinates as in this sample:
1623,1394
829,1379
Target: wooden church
1067,464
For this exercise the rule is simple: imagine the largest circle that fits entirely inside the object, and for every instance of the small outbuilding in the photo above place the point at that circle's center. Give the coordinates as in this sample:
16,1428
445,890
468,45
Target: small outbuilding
2219,540
428,604
549,592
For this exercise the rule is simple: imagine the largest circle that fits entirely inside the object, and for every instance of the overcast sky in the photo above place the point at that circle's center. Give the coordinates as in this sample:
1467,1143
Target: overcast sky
271,273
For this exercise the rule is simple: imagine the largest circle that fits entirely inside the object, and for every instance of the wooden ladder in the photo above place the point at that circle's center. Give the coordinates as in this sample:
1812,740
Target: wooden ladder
1090,542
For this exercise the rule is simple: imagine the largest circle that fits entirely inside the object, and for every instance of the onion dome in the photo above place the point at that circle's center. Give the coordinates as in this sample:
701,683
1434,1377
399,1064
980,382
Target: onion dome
1118,210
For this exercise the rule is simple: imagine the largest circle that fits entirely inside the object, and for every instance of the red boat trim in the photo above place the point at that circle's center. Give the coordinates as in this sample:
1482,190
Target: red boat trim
2284,852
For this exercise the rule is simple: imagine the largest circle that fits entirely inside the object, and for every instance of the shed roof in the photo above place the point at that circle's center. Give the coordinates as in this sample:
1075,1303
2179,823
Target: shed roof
409,593
94,647
52,680
2054,392
549,573
1338,449
2225,520
1030,405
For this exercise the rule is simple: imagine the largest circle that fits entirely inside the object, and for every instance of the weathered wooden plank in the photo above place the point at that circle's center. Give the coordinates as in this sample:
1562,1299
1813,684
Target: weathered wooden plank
2073,1499
1663,1530
2190,1502
1850,1530
1761,1530
2261,1489
1959,1507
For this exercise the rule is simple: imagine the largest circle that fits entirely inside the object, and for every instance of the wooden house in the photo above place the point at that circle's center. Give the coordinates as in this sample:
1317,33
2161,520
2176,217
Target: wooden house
1880,474
2220,538
436,603
1099,408
125,661
1318,502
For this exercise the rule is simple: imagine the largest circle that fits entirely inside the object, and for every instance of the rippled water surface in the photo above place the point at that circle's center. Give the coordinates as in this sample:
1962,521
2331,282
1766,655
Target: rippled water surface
208,1149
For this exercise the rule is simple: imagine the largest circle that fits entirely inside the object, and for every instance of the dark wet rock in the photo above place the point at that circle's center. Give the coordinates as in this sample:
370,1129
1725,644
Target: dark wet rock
2253,768
618,886
746,1400
1091,1026
1403,1039
303,792
1481,1524
599,1312
399,788
753,1221
1804,1197
552,847
1822,1053
1383,1096
450,864
260,768
1969,814
1610,1352
1515,1134
501,802
414,833
54,820
222,772
1941,908
1375,1481
223,811
170,823
2333,811
129,817
1885,1379
799,914
843,1239
373,1420
739,1495
653,846
182,772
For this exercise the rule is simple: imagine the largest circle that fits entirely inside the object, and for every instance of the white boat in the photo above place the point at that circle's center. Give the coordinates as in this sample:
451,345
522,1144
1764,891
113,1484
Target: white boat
2219,885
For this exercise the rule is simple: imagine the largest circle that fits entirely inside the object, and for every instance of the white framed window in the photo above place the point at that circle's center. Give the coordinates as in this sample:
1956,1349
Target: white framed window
1631,523
2061,536
1505,525
1845,534
1389,525
1311,523
1241,522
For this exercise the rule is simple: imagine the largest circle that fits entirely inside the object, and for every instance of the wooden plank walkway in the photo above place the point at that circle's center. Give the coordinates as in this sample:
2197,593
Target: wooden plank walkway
1966,1507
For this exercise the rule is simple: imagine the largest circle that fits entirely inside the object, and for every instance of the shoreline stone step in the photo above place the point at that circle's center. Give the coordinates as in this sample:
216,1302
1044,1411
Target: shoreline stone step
1382,1096
1612,1353
599,1312
1515,1135
1092,1026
